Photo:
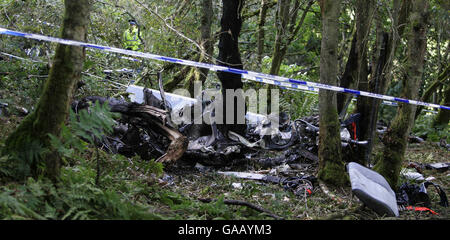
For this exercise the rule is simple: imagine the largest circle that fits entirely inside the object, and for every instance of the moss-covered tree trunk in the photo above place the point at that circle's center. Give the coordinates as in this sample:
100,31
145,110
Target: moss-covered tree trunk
395,140
331,166
443,116
53,106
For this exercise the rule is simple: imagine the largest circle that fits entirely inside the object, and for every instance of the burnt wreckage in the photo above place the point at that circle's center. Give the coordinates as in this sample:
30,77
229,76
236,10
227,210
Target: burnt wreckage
146,129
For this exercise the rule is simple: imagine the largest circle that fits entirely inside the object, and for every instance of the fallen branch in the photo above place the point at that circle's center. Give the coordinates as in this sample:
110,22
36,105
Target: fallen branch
177,147
155,117
243,203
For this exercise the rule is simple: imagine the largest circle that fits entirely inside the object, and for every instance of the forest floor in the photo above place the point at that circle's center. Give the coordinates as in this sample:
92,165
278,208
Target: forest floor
175,193
337,204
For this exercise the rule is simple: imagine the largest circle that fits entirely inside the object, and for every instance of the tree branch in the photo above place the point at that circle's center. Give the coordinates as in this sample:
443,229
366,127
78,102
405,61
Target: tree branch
203,51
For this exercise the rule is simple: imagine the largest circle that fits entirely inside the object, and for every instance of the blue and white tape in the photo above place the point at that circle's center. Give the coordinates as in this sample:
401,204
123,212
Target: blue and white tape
250,75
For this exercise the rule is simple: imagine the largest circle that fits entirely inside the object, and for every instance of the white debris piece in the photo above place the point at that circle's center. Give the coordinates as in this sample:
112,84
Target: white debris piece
411,174
237,185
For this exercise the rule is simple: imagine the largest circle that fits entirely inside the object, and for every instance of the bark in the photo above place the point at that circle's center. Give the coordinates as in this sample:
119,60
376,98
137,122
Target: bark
206,42
261,32
156,118
395,140
349,78
443,116
385,49
287,30
365,14
53,106
432,89
331,166
229,55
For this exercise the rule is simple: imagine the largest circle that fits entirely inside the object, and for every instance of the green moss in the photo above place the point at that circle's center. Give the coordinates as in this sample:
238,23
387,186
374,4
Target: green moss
389,165
331,166
22,157
333,173
395,142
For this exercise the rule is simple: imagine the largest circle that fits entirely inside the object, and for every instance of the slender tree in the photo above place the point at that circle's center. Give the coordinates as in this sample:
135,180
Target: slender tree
287,31
356,70
380,78
443,116
331,166
395,140
229,55
25,143
442,77
261,31
206,43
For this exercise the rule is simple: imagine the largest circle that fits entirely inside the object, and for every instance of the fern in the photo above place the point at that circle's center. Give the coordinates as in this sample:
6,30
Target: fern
94,124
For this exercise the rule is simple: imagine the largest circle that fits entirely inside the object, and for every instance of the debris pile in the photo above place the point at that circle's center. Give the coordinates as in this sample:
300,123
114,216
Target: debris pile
288,151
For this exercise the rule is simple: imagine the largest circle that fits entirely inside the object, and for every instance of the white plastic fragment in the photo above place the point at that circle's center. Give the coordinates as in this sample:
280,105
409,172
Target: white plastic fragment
411,174
237,185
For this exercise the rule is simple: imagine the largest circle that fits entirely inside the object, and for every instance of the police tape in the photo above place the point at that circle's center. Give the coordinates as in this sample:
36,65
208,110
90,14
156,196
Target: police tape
250,75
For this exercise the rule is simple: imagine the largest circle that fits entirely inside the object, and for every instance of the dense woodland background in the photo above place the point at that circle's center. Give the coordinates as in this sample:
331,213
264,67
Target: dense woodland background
398,48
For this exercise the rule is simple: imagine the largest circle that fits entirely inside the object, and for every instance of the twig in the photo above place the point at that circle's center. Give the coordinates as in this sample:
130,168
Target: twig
170,27
243,203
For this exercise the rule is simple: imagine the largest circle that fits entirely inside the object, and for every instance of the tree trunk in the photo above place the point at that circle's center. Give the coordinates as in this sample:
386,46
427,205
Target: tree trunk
229,56
287,30
432,89
349,78
261,32
53,106
443,116
200,74
385,49
282,28
363,106
331,166
395,140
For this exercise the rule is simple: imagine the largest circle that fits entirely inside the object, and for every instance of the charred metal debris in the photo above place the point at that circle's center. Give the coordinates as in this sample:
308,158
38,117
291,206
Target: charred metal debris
289,150
145,129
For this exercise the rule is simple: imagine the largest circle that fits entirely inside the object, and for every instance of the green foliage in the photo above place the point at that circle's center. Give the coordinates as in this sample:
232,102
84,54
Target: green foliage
23,86
20,164
75,198
88,125
93,124
296,103
424,128
67,144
